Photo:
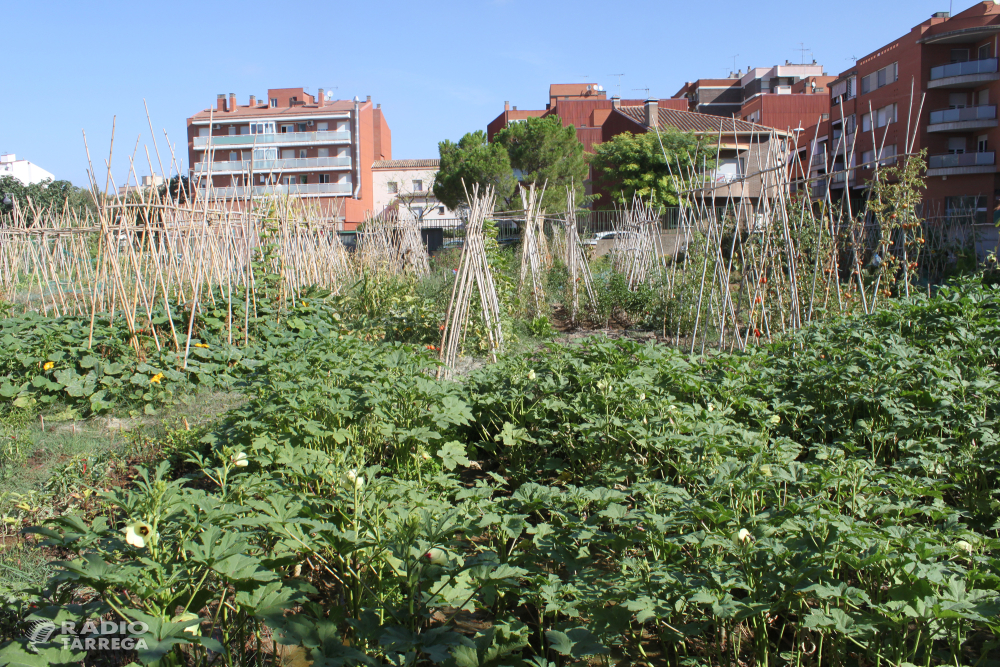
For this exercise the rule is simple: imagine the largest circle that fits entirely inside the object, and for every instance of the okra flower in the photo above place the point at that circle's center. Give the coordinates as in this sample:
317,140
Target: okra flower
353,478
963,546
188,616
137,533
436,557
531,375
775,419
744,535
240,459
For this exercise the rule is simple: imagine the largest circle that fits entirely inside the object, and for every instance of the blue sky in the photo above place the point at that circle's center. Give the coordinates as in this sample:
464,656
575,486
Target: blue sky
439,69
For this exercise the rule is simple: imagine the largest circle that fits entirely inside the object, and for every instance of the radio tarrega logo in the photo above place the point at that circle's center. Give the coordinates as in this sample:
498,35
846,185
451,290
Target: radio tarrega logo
91,636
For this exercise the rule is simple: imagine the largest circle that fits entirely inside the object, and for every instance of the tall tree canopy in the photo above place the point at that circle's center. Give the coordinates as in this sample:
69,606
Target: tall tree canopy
544,151
633,164
474,160
42,195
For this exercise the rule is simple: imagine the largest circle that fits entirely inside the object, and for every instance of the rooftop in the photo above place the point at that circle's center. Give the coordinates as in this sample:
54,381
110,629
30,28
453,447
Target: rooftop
690,121
406,164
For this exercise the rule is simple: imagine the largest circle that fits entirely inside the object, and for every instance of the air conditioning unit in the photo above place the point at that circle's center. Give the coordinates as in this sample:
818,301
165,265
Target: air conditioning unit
309,123
217,126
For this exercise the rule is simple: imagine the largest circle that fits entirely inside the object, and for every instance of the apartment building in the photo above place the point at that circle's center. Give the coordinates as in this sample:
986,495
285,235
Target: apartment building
27,172
407,186
948,66
290,143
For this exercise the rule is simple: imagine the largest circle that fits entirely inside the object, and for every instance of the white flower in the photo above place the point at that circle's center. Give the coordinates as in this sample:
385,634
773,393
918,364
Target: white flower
353,478
962,545
531,374
765,470
137,533
775,419
436,557
642,397
744,535
425,456
710,407
240,459
188,616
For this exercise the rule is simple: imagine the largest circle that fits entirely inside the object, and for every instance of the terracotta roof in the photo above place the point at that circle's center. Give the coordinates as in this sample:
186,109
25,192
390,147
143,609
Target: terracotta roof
406,164
337,106
690,121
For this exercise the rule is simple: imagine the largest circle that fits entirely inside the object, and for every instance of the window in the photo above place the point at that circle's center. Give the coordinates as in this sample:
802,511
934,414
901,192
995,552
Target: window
392,187
204,132
418,212
440,210
850,124
265,154
302,152
292,101
274,102
957,100
244,129
289,180
262,128
883,77
982,145
323,152
984,52
866,123
867,159
966,207
959,55
984,97
245,155
418,186
285,129
288,154
341,126
886,115
322,127
888,155
233,156
268,179
956,145
303,179
302,127
324,178
232,130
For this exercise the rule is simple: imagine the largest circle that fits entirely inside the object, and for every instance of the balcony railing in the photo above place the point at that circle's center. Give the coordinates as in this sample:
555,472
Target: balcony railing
985,66
272,165
952,160
982,112
819,159
295,189
273,138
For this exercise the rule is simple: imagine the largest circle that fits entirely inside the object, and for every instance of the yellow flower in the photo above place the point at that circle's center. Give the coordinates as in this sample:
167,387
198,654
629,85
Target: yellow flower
201,344
156,378
48,365
137,533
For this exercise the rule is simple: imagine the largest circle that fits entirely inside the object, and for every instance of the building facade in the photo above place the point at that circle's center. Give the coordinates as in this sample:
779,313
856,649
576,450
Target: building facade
407,187
23,170
290,143
933,89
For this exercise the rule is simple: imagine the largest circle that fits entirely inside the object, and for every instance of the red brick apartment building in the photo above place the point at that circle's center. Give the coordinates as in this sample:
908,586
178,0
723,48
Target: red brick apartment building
291,143
597,119
952,60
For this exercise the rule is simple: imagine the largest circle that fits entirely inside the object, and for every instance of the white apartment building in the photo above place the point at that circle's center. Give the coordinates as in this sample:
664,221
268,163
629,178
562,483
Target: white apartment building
408,186
26,172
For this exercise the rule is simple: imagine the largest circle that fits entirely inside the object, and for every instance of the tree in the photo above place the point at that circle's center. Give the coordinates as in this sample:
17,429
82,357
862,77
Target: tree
41,196
544,151
177,189
633,164
476,161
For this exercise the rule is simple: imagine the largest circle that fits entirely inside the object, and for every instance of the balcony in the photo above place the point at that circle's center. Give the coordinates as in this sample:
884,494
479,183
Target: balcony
957,164
818,160
960,120
274,166
280,138
819,189
964,75
305,189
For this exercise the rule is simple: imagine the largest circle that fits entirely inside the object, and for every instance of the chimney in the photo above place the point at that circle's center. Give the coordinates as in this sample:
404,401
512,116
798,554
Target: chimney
232,101
506,105
321,100
253,101
513,108
652,113
369,99
616,102
378,106
220,103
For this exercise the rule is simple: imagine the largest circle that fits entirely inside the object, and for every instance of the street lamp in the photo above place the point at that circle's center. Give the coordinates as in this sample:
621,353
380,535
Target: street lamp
7,200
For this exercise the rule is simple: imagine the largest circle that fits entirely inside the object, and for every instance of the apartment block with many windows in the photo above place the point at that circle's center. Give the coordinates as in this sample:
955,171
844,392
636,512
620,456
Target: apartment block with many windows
290,143
936,87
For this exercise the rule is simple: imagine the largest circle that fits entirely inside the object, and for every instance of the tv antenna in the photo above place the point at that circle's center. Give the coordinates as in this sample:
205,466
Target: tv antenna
619,83
802,53
645,89
329,92
734,64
